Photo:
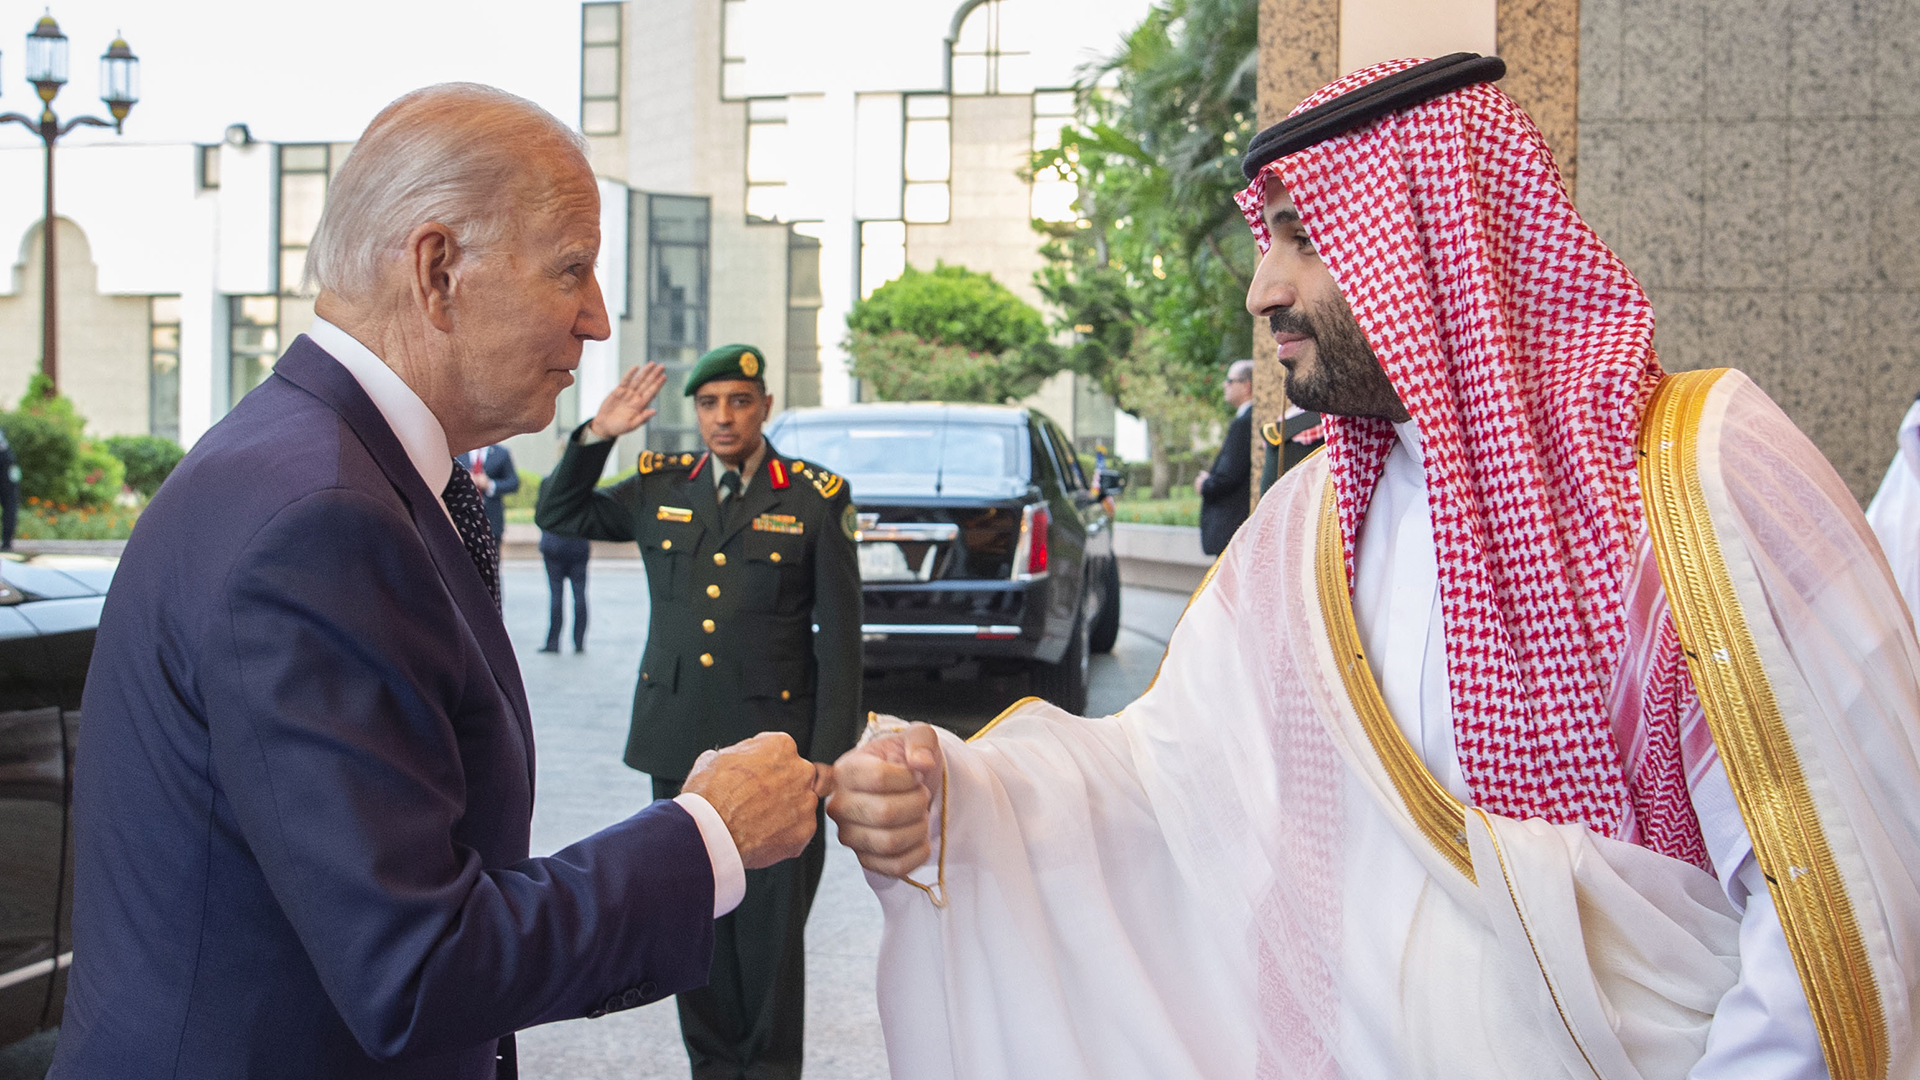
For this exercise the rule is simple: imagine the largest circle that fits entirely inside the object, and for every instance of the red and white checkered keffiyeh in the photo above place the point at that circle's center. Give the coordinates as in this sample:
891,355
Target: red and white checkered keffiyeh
1523,348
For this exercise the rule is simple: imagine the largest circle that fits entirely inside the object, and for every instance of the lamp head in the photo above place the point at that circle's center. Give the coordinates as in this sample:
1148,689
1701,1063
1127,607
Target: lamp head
47,58
119,80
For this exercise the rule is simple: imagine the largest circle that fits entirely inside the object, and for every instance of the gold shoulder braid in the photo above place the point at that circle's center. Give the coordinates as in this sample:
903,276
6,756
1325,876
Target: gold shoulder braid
1752,737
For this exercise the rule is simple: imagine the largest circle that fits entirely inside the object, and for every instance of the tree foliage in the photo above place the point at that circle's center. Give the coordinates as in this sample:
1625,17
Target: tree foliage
1151,281
948,334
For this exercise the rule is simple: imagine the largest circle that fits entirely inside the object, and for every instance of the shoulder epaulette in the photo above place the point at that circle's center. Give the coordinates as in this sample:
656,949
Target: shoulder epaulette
652,461
824,482
1270,431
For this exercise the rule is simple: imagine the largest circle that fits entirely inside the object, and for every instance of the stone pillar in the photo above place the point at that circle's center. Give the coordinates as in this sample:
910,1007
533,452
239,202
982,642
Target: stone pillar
1299,53
1540,41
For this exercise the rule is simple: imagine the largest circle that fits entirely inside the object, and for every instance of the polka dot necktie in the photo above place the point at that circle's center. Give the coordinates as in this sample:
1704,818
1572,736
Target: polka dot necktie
470,519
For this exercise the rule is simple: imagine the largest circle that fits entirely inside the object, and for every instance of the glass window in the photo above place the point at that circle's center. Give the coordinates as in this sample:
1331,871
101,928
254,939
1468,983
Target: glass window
989,54
1069,461
767,159
600,33
733,50
677,257
803,315
209,157
883,254
927,159
253,342
303,194
163,367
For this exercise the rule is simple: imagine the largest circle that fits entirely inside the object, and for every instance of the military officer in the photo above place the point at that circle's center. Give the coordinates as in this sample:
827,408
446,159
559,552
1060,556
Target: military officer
747,551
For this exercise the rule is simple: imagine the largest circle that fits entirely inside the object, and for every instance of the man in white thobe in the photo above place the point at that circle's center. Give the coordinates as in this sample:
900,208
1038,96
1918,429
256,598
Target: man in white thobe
1558,720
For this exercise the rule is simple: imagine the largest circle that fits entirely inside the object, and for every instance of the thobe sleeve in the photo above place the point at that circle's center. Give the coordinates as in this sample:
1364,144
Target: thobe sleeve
1762,1029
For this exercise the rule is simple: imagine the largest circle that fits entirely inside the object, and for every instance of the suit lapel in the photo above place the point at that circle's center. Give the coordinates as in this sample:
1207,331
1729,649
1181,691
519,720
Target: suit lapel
312,369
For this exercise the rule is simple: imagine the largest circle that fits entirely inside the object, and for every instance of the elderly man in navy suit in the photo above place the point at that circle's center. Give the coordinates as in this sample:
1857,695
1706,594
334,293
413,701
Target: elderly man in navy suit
305,774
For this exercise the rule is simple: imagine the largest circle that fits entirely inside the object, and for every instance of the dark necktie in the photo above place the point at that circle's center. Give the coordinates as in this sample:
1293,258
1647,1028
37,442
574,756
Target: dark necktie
470,519
729,482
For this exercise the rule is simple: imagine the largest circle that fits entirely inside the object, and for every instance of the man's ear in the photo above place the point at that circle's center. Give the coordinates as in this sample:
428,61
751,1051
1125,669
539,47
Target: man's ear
431,251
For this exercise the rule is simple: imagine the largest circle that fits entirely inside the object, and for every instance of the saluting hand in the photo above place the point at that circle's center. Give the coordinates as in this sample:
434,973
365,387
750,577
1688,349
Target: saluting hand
764,790
883,790
629,403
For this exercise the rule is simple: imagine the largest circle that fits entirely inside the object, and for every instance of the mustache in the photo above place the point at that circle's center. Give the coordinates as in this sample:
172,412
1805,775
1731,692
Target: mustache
1291,321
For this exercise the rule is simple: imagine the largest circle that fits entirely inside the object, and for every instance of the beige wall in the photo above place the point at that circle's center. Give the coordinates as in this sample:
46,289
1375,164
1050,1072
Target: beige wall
102,339
1753,163
990,229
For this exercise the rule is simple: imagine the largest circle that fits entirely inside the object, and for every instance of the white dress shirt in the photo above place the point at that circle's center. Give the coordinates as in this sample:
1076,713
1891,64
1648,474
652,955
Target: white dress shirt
425,442
1762,1029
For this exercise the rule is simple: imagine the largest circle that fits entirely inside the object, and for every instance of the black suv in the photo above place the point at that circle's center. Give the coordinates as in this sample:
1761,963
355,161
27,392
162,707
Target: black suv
980,537
49,609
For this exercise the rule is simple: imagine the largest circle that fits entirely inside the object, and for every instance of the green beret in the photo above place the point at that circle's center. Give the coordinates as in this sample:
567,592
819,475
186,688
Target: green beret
728,362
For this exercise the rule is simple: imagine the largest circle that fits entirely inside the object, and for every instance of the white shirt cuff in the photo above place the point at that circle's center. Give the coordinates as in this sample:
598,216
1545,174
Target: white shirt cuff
588,438
729,874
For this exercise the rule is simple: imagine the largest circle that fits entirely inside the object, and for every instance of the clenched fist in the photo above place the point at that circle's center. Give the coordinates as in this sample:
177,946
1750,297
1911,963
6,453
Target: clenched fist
883,790
765,792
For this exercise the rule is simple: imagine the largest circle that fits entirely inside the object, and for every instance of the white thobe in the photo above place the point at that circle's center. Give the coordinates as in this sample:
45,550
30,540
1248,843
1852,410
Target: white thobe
1762,1029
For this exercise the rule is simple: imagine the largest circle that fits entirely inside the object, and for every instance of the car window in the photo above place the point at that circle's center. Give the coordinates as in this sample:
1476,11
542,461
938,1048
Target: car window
1069,461
897,456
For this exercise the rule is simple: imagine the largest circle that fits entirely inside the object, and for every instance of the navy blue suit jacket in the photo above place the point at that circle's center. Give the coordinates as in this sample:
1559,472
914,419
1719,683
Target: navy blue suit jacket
305,778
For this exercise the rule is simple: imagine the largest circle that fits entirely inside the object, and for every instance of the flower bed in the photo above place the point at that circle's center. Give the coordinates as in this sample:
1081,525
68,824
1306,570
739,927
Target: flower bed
43,520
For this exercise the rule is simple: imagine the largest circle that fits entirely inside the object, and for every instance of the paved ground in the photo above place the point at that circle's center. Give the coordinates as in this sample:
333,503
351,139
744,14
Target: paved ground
580,709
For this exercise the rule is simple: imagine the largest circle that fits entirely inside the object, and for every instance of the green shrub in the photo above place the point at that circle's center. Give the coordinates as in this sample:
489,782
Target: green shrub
950,305
46,451
148,460
527,496
60,465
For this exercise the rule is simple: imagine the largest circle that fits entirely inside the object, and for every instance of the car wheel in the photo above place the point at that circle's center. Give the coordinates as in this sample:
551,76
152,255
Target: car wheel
1065,684
1106,625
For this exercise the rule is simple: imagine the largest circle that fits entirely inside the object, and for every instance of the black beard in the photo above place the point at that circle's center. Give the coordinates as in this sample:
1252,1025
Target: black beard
1346,378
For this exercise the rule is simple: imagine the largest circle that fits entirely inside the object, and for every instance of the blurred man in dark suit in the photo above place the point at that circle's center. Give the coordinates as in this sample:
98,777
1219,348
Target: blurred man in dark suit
491,468
305,783
1225,494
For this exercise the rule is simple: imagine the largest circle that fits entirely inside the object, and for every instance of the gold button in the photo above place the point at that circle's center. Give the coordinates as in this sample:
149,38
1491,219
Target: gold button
706,659
786,695
707,625
719,559
775,556
666,545
713,591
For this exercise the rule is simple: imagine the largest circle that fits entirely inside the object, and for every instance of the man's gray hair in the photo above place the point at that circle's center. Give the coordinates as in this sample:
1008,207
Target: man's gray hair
1240,369
456,154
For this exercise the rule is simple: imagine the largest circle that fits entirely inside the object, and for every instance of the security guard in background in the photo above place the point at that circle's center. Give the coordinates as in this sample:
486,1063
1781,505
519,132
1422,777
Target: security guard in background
747,550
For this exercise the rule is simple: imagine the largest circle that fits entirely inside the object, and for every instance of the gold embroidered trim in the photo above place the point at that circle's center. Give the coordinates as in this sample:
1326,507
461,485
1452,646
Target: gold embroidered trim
1433,808
1004,713
1752,737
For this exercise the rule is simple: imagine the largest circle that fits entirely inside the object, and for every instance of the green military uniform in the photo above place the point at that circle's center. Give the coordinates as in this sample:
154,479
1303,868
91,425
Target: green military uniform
737,590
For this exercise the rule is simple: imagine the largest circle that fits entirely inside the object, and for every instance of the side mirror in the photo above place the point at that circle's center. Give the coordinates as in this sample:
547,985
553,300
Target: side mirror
1110,482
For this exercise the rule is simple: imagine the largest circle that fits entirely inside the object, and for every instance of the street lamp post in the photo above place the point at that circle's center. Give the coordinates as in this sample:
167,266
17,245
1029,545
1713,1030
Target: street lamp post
47,71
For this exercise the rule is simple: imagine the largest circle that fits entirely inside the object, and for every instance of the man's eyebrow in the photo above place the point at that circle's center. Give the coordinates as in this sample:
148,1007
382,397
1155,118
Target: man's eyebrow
1285,217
